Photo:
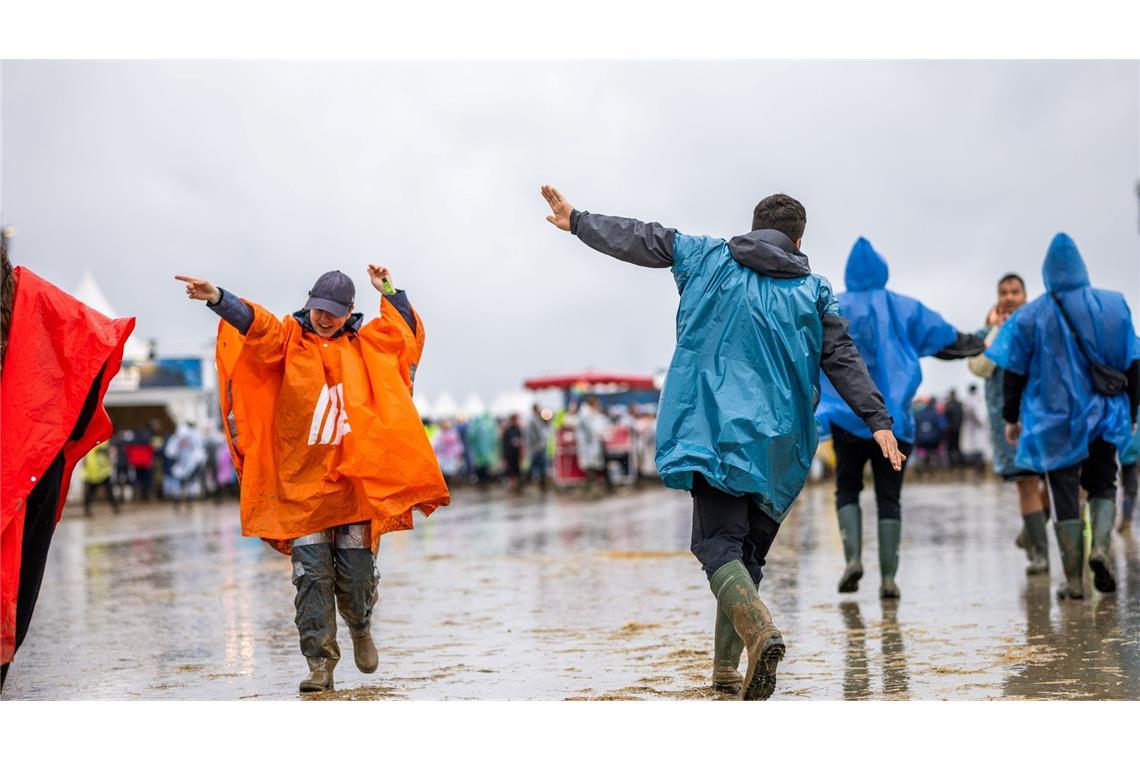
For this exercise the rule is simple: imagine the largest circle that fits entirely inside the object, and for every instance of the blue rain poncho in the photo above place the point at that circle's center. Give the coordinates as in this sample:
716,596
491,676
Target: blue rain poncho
1060,412
892,332
739,397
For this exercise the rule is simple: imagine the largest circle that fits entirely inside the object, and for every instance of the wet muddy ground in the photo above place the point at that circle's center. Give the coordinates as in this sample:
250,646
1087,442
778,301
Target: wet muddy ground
563,598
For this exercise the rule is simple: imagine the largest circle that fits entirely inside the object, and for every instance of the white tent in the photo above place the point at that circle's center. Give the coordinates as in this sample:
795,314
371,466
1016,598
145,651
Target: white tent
473,406
445,407
89,292
422,407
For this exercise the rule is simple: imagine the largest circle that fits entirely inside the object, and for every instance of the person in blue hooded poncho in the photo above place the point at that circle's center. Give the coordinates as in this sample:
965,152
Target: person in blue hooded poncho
735,427
892,332
1062,425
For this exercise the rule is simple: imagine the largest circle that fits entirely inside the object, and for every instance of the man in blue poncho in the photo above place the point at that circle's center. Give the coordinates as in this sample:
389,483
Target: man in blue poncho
735,428
1071,385
892,332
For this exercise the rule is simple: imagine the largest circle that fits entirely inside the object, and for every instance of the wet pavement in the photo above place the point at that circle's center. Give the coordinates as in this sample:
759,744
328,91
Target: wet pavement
562,598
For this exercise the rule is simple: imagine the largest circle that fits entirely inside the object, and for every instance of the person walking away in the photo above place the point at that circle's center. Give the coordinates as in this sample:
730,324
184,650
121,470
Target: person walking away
1032,495
186,450
1070,391
891,332
98,472
735,426
590,436
952,413
512,446
483,445
975,429
537,441
328,446
449,451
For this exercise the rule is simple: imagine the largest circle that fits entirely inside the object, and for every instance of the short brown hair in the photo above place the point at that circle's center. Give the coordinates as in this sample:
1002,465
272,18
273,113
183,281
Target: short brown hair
780,212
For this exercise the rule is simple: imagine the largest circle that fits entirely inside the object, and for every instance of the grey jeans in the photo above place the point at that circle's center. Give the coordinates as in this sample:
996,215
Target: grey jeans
333,568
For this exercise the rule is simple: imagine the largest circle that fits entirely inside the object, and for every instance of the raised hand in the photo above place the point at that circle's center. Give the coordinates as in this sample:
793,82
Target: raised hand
378,275
890,447
560,207
200,290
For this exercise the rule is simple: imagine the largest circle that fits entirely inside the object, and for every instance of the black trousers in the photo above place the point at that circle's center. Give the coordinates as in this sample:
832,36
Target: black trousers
1097,475
851,456
727,527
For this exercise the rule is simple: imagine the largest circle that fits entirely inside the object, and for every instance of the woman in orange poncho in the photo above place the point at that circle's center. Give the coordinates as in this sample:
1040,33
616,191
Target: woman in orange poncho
327,444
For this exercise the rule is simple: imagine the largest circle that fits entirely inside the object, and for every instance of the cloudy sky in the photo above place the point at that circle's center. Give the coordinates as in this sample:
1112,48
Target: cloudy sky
260,176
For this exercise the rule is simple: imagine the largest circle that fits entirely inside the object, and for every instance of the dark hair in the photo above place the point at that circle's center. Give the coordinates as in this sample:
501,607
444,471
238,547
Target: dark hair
1011,276
780,212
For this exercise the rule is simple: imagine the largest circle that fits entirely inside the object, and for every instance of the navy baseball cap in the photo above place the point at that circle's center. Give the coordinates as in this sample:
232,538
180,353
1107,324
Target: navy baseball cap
333,292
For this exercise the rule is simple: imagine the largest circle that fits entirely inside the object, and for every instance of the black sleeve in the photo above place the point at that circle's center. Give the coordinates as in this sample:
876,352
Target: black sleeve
645,244
1133,375
844,367
234,310
1012,386
963,347
399,299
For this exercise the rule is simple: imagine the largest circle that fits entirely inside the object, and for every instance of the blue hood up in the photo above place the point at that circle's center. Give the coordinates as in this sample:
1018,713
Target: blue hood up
1064,269
866,268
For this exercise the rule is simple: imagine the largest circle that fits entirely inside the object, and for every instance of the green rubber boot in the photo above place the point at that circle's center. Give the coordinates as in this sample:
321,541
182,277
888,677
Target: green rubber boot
1103,513
726,656
736,597
1071,541
851,531
1036,544
890,534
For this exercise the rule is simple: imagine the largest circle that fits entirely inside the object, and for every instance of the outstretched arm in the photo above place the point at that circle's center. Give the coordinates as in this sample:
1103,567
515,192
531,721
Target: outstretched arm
382,280
645,244
225,304
841,362
963,347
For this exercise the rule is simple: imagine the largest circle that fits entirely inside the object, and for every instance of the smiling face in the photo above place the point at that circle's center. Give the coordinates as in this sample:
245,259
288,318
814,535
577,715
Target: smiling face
325,323
1011,295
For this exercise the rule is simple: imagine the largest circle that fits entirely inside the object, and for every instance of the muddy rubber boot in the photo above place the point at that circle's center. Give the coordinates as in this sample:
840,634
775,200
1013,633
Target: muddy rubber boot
890,534
364,651
737,597
851,531
1127,507
1103,513
320,676
1071,541
726,655
1037,543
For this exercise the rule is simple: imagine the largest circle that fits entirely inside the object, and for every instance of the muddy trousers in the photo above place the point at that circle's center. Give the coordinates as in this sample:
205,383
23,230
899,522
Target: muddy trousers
727,528
333,568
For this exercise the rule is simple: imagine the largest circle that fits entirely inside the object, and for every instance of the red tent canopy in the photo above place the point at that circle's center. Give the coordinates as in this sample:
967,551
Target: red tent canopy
644,382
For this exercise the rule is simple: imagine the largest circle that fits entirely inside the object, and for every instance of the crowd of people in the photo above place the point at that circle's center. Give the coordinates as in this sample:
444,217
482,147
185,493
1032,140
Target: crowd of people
143,465
520,452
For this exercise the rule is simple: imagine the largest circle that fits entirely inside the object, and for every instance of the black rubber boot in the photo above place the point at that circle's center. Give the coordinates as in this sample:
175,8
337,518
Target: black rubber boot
1103,513
851,531
737,597
890,534
1071,541
1036,544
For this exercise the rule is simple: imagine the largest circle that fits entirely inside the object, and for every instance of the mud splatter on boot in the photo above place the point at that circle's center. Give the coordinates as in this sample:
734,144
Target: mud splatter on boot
737,597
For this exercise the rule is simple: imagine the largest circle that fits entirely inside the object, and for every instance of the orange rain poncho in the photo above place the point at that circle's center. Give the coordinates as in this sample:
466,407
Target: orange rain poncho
323,432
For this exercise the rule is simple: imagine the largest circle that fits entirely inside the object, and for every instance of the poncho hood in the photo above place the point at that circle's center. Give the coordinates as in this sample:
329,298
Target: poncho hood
770,253
1064,269
866,268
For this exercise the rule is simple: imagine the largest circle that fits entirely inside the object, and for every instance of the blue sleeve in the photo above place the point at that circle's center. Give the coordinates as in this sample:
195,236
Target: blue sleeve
827,303
233,310
690,252
400,300
928,332
1012,348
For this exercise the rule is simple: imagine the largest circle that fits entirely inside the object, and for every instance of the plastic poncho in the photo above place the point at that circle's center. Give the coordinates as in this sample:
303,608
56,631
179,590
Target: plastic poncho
97,464
323,431
589,438
892,332
483,441
1060,412
742,386
56,349
187,452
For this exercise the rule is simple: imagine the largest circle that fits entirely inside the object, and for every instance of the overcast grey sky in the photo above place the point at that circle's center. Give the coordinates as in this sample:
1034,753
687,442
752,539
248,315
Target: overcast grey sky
260,176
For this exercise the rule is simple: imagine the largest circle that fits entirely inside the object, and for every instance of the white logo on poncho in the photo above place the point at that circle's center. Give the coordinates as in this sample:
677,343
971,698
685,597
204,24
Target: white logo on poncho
330,418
